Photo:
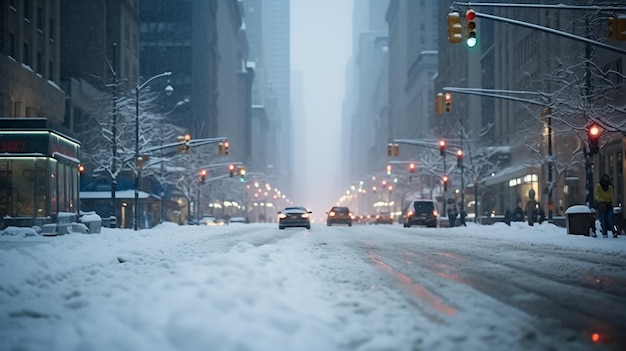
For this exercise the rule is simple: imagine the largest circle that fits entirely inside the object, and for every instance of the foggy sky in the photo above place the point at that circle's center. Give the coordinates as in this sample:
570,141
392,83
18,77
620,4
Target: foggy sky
321,44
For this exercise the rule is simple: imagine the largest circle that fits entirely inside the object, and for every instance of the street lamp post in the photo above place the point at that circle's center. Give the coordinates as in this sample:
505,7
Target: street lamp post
138,175
168,91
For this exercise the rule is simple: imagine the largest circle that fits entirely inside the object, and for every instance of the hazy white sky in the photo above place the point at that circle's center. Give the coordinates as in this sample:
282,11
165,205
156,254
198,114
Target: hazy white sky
321,44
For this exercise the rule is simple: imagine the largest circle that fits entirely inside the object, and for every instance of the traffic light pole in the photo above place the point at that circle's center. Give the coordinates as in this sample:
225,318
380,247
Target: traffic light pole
551,30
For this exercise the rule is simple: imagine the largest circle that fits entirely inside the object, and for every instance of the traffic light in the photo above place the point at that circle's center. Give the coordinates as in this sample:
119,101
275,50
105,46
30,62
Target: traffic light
81,169
448,102
470,28
226,147
242,173
139,162
593,134
445,183
455,35
412,167
459,158
203,176
393,150
616,28
439,104
388,169
384,183
231,170
187,143
442,147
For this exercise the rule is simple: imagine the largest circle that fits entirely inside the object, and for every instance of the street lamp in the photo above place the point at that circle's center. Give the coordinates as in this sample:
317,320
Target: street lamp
138,175
168,91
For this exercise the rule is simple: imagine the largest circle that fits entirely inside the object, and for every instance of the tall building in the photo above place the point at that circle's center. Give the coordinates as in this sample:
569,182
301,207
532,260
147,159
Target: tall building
30,60
38,166
268,27
110,31
365,108
180,37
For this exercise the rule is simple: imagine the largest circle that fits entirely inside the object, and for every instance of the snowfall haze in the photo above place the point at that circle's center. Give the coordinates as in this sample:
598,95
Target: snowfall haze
321,44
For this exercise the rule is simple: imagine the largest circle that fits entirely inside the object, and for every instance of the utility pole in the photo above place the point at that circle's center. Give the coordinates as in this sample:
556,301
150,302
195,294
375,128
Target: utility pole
113,216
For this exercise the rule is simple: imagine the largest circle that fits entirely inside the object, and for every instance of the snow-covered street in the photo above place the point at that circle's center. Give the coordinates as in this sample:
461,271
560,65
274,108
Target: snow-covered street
253,287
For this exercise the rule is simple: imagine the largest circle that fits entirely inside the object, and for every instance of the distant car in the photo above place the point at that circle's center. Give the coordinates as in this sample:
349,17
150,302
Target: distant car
294,217
421,212
383,218
238,220
339,215
208,220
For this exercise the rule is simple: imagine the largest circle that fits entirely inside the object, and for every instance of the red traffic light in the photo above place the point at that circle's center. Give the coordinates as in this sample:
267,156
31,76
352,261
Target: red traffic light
593,136
470,15
412,167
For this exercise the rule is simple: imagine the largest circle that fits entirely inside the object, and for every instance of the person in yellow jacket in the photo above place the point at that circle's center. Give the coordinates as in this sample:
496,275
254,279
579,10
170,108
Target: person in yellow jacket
604,203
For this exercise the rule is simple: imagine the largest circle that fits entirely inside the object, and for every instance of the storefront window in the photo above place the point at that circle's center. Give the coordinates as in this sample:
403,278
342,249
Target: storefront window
22,181
61,187
54,197
41,186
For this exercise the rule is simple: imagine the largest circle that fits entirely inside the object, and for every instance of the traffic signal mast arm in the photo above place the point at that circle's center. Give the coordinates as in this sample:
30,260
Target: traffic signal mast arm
551,30
429,144
220,165
192,142
493,93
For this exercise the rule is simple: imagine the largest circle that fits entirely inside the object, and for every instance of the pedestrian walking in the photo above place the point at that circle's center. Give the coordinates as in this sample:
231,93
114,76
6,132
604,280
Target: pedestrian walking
452,212
462,215
604,202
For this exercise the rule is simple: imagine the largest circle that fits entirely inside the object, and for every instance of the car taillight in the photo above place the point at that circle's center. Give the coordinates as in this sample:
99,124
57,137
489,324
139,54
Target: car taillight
435,213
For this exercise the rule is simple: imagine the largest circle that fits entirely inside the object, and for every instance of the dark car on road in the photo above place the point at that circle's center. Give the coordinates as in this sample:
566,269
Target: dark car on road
421,212
294,217
339,215
383,218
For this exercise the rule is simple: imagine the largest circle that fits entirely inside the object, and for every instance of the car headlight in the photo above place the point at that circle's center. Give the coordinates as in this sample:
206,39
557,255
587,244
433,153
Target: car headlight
282,216
304,215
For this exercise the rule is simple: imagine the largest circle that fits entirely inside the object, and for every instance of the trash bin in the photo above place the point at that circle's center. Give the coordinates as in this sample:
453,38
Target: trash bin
578,220
92,220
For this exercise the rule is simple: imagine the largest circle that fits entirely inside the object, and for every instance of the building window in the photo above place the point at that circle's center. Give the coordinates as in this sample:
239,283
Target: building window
51,29
17,109
11,45
27,10
39,63
26,54
40,18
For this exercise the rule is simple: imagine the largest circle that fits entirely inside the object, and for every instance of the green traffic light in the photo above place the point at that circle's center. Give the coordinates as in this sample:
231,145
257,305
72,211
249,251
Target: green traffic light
471,42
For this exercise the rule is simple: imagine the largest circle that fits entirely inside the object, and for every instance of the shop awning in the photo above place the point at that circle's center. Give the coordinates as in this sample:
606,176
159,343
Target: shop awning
121,194
508,173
